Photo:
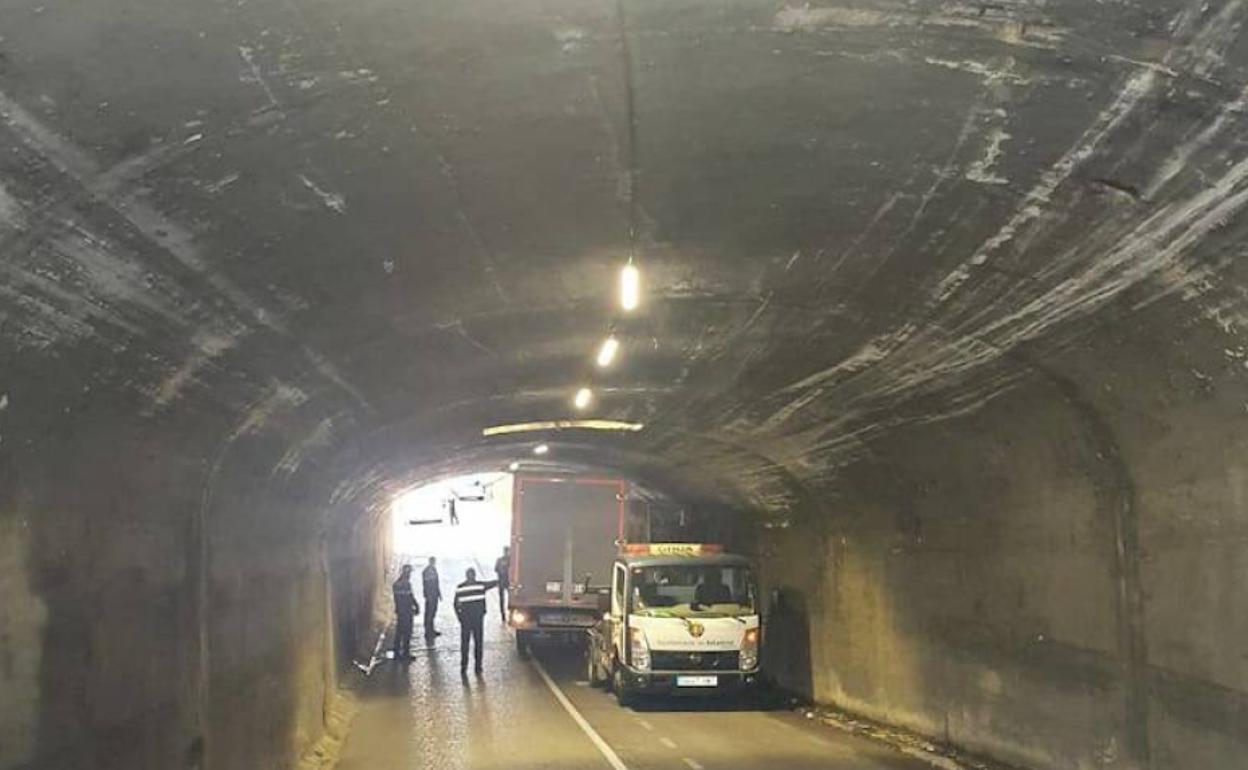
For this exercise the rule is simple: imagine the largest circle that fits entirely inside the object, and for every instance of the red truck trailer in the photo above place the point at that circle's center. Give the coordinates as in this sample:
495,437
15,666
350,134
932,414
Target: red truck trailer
566,532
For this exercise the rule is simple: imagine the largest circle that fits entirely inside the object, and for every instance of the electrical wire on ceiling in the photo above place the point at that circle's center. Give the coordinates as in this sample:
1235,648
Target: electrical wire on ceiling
632,164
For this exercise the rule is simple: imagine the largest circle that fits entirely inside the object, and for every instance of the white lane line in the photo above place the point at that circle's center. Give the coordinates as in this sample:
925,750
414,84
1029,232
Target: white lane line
607,752
668,742
645,725
693,763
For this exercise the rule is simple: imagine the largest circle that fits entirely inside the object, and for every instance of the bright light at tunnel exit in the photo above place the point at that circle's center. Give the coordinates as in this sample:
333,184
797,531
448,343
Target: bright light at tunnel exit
421,524
630,287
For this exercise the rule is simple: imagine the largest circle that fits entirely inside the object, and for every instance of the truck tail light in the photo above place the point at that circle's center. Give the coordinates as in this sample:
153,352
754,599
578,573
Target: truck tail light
638,649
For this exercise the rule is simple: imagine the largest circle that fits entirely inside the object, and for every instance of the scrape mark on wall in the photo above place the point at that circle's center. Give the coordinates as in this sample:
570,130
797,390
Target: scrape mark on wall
10,211
984,169
280,397
158,230
999,21
979,69
1031,208
254,75
318,438
332,200
208,346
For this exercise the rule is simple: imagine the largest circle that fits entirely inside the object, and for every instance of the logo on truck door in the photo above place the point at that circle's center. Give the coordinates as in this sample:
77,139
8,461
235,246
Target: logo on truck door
696,630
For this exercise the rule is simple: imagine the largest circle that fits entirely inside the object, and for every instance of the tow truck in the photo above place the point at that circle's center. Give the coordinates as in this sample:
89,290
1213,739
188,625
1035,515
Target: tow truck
683,619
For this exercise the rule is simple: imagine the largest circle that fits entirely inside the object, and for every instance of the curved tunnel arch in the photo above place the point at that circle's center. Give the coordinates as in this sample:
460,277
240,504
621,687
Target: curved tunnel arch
949,295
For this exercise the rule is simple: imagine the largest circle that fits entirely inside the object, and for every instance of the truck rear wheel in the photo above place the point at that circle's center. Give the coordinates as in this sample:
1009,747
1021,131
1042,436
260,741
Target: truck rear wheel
522,644
593,671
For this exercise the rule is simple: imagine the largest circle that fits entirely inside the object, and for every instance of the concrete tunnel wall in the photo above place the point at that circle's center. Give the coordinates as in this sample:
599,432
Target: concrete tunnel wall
1054,579
168,590
225,227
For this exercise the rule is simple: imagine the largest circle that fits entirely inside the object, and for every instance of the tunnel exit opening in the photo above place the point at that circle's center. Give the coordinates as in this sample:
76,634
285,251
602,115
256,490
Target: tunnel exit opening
463,521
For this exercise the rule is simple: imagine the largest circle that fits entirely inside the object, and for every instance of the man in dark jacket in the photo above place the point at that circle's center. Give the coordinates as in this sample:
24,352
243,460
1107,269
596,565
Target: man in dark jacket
405,611
433,595
470,609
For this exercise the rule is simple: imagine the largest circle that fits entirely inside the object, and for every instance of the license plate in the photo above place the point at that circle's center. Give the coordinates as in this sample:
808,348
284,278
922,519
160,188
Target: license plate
697,681
565,619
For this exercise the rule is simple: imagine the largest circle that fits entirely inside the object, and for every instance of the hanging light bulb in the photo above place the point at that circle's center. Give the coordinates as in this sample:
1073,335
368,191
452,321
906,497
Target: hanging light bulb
583,397
606,353
630,287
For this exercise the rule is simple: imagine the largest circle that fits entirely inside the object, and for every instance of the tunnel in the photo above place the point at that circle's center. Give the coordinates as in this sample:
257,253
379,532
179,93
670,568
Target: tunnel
930,307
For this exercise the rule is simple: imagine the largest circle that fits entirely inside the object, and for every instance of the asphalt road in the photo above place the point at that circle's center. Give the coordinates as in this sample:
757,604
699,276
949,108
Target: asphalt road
540,714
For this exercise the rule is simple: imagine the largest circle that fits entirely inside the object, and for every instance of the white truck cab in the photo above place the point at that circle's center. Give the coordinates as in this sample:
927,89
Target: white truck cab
683,619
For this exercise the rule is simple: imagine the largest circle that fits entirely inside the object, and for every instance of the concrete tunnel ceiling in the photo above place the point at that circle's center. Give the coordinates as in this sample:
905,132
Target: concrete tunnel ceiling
379,227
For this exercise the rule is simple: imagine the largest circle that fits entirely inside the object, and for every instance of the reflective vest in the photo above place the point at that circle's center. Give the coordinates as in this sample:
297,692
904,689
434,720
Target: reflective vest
470,598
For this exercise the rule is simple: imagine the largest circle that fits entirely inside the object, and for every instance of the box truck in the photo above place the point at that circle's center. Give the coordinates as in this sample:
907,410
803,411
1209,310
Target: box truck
566,532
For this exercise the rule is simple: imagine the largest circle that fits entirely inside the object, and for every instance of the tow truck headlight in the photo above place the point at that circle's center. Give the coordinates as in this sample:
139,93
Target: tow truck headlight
519,618
638,649
749,649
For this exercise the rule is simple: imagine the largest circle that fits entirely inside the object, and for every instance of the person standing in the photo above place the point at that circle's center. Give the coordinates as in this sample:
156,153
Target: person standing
405,611
470,609
433,594
502,568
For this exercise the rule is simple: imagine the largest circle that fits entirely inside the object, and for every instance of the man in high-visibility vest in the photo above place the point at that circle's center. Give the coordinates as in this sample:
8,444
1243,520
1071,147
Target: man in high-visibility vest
470,609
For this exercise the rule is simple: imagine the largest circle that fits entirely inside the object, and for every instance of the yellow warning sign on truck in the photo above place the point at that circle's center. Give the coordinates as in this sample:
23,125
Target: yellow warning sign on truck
671,549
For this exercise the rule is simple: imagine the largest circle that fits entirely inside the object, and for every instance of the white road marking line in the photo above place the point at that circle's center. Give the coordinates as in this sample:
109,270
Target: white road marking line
693,763
646,725
668,742
607,752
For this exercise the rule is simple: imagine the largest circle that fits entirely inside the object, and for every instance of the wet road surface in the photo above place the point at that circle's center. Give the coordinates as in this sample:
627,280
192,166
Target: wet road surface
423,716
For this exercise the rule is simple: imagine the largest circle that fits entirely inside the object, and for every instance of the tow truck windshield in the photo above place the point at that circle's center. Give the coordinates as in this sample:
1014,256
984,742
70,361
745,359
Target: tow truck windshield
692,591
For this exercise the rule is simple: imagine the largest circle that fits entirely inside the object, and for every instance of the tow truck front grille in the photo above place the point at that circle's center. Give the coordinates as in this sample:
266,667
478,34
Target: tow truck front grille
695,661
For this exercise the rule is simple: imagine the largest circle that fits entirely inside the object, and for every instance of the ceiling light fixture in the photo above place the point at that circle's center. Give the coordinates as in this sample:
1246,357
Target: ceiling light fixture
583,397
515,466
630,287
547,425
541,449
606,353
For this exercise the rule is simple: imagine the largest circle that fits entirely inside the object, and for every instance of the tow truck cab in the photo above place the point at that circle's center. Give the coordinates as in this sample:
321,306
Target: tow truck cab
683,619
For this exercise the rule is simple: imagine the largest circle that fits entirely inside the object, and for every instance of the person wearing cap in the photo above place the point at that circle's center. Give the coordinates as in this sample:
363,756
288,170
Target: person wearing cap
405,611
470,609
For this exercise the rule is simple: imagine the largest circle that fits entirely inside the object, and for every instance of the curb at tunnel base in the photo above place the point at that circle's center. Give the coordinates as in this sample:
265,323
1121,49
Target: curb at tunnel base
911,744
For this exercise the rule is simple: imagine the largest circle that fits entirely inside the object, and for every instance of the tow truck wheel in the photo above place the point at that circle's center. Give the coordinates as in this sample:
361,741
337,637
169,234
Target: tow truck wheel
623,695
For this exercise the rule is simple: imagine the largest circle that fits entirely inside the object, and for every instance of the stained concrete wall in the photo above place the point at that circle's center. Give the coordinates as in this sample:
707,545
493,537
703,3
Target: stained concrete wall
166,587
1055,579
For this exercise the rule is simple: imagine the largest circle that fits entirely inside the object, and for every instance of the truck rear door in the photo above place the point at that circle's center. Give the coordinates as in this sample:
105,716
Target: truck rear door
565,530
